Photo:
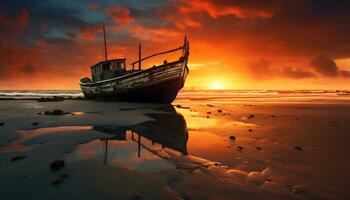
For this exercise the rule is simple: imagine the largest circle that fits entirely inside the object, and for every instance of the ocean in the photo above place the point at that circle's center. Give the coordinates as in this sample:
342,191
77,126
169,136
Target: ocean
192,94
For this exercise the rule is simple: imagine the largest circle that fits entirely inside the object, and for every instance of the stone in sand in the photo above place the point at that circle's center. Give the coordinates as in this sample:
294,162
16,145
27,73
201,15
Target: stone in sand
53,99
2,123
220,111
35,123
60,179
258,148
208,113
54,112
58,164
250,130
210,105
207,116
239,148
232,137
298,148
17,158
251,116
180,106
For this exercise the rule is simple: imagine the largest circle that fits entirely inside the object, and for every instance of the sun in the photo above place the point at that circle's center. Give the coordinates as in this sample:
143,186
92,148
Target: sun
217,85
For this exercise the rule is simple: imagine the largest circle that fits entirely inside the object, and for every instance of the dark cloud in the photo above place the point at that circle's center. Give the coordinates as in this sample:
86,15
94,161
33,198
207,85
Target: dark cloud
322,65
326,66
345,74
264,70
296,73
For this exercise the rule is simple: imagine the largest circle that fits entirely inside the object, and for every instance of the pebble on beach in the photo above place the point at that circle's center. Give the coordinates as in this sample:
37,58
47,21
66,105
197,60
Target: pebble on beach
251,116
298,148
35,123
250,130
258,148
239,148
60,179
53,99
232,137
220,111
181,106
55,112
58,164
17,158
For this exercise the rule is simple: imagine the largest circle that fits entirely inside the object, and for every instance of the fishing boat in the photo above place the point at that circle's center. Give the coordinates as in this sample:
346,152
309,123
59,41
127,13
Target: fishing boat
156,84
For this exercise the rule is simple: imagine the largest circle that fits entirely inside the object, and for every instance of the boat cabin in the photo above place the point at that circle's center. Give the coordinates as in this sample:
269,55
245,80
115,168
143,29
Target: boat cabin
108,69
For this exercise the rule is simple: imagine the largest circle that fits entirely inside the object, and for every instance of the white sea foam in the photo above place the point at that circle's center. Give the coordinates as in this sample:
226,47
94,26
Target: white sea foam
27,94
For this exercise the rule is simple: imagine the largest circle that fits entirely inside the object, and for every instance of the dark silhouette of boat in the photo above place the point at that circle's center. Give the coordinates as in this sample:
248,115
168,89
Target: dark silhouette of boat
168,129
157,84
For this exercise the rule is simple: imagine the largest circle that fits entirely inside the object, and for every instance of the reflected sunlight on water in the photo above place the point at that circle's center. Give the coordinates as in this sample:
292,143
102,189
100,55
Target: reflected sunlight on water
133,151
40,131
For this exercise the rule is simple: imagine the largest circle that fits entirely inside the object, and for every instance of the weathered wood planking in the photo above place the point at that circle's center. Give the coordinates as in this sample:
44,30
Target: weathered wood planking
156,84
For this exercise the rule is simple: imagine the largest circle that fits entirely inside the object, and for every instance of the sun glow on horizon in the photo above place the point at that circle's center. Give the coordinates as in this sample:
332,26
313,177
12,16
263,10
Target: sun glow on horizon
217,85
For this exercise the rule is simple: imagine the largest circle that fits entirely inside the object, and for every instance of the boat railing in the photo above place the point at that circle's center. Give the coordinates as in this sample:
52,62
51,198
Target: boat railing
184,48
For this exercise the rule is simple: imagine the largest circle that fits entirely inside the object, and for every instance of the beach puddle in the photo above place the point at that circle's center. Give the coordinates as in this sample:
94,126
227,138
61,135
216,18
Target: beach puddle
12,147
197,120
146,146
78,113
129,149
30,133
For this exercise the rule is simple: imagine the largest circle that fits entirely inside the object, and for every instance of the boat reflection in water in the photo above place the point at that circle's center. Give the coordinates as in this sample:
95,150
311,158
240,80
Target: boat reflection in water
142,146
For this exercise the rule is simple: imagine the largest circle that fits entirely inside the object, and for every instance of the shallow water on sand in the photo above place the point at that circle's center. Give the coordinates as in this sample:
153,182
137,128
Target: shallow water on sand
126,153
266,150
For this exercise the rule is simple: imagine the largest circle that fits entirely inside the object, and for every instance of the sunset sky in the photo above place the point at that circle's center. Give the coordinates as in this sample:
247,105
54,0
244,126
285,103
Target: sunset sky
235,44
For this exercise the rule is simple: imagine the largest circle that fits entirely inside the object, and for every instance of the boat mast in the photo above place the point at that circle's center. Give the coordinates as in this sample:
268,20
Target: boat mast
139,56
106,152
139,146
105,43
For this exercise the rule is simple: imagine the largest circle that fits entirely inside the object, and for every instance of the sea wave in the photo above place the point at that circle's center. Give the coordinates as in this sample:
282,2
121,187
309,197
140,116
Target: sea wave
186,94
29,94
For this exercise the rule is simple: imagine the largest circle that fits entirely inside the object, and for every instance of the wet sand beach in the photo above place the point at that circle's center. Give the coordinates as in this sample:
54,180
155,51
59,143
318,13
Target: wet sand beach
197,148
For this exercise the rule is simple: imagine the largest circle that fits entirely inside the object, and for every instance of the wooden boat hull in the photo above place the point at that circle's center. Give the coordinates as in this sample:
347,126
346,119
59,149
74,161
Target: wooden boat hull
159,84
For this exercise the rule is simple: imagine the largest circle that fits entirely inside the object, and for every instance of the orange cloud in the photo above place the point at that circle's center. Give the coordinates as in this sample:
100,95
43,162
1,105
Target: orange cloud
159,34
89,33
216,11
185,23
120,15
